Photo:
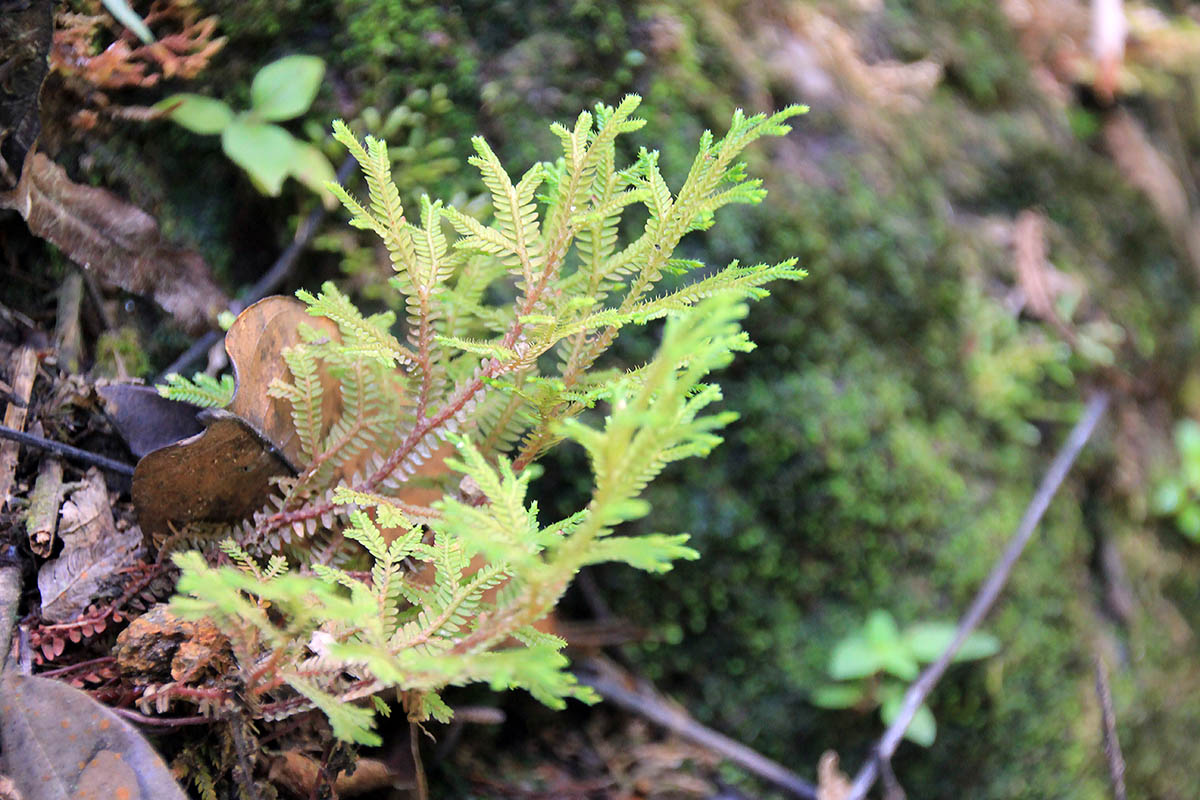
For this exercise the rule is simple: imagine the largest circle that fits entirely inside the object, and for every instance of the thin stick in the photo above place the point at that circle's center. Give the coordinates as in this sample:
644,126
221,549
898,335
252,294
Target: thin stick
1108,726
677,721
162,722
986,596
268,283
29,440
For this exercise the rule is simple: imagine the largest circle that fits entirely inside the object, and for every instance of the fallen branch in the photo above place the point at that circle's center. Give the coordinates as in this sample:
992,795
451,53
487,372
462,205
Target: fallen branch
986,596
95,459
268,283
645,702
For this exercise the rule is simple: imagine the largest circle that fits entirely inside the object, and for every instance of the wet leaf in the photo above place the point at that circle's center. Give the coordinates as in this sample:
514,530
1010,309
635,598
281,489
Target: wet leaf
221,475
94,552
312,168
25,33
255,343
264,150
286,88
145,419
197,113
928,640
838,695
118,242
60,744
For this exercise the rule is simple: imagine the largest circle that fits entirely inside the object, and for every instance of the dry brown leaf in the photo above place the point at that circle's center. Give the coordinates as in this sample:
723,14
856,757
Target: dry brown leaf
118,242
832,783
300,773
94,552
255,343
1140,162
220,475
60,744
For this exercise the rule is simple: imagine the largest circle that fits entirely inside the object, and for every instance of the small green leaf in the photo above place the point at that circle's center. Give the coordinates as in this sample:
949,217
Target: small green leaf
197,113
286,88
1188,522
312,168
927,640
838,696
130,19
923,728
891,651
1168,497
853,657
881,630
978,645
265,151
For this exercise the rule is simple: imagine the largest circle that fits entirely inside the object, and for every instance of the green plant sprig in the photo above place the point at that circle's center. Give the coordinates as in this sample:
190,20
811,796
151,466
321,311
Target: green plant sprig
282,90
874,665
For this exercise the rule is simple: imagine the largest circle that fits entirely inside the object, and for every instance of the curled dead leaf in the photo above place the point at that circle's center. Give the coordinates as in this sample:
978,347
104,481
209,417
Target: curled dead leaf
220,475
118,242
145,419
255,343
832,783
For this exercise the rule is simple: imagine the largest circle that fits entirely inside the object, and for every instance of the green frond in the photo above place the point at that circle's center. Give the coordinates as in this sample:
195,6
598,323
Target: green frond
485,349
654,552
361,335
202,390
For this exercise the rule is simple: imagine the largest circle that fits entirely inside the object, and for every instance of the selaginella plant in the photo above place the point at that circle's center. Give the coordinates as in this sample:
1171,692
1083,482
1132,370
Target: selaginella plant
365,588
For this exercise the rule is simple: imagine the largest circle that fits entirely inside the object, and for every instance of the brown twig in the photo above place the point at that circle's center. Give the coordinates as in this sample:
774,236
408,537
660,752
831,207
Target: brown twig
986,596
163,722
646,703
1108,727
268,283
29,440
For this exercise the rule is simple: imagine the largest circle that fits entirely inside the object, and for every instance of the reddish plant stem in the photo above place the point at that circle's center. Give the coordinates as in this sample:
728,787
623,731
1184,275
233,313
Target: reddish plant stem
54,673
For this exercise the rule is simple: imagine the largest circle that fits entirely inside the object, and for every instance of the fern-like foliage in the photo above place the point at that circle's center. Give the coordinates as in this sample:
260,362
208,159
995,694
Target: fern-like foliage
396,591
202,390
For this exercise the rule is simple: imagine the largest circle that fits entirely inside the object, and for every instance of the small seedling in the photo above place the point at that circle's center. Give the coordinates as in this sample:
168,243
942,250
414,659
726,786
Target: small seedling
281,90
874,664
1179,495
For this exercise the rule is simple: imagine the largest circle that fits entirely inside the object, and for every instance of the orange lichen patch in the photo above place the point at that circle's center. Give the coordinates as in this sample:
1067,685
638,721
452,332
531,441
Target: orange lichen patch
66,723
158,647
104,724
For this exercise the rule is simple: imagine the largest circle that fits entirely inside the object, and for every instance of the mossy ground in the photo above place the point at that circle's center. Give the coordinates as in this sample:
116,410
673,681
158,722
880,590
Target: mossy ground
895,417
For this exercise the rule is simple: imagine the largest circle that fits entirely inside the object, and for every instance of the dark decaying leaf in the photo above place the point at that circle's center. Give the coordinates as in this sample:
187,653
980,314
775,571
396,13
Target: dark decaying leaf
118,242
60,744
93,555
25,32
145,419
255,343
220,475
